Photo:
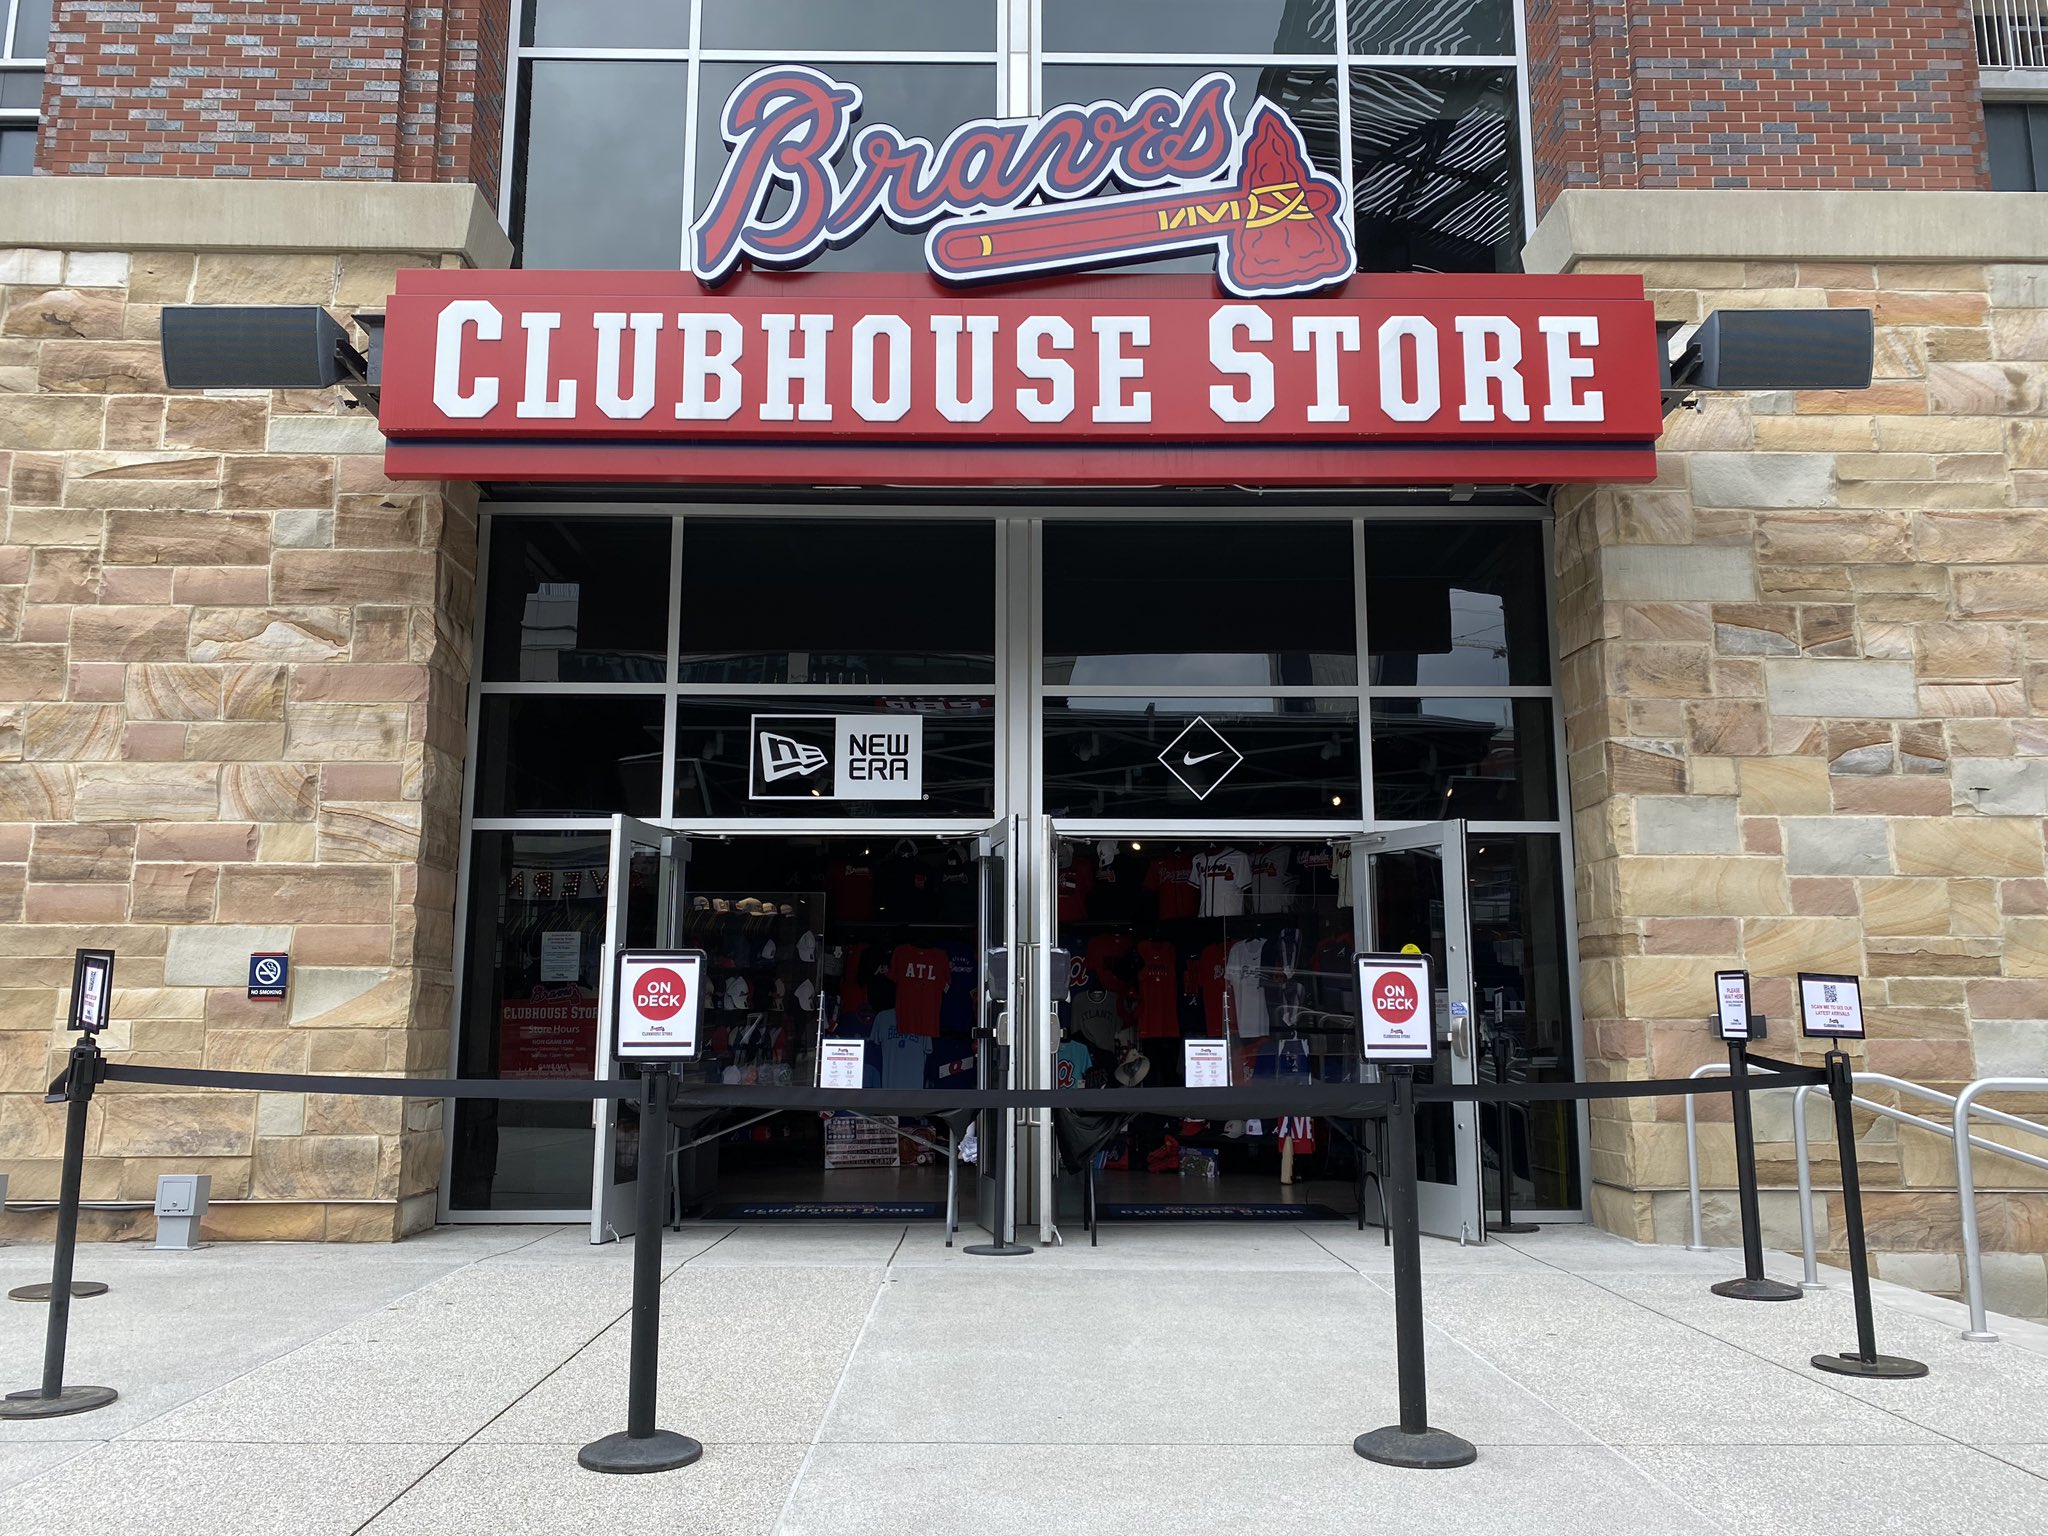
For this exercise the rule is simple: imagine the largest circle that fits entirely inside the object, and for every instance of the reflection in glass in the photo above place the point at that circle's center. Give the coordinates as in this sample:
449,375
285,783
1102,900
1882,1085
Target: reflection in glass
1189,26
523,769
926,99
1456,605
1522,997
812,601
1432,27
1435,168
17,151
607,23
1160,603
1299,758
577,600
1475,759
591,131
1307,92
21,89
784,27
529,1010
31,30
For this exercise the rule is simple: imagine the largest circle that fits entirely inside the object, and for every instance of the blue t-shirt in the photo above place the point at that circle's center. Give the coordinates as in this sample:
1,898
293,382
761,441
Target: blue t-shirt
1071,1069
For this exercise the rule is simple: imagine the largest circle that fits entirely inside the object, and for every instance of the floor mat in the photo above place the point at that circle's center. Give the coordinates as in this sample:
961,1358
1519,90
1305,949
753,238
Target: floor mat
1234,1211
834,1210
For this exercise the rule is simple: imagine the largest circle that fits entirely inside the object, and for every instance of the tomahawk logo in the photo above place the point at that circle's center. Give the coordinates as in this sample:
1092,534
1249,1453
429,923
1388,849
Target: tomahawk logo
782,758
1277,224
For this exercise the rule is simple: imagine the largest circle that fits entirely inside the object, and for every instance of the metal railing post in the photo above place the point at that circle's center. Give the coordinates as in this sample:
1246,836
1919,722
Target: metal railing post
1979,1330
1811,1279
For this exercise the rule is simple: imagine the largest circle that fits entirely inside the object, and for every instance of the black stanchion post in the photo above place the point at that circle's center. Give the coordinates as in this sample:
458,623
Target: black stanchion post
53,1399
1866,1361
999,1245
642,1447
1753,1286
1503,1048
1412,1442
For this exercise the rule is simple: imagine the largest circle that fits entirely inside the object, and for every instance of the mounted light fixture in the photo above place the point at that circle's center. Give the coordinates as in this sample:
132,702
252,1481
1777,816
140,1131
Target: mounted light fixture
1769,349
270,346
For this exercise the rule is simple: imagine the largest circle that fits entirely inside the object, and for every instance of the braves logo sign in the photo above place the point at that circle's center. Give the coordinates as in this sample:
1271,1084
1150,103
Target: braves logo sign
1276,223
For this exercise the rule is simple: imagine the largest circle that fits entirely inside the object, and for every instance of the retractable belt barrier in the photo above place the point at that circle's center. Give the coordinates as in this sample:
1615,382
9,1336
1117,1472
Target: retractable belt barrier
642,1447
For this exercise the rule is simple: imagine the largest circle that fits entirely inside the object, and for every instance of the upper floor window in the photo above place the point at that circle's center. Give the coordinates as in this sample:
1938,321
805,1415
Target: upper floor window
2019,145
1415,106
24,40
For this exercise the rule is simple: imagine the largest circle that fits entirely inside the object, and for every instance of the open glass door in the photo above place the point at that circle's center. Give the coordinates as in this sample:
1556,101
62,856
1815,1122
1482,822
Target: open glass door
996,1040
1410,888
643,906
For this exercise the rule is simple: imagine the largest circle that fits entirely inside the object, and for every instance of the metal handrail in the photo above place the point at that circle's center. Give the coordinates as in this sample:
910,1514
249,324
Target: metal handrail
1692,1145
1966,1179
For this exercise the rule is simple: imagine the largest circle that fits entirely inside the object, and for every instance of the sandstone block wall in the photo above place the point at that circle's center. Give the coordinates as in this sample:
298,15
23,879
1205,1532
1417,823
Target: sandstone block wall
234,663
1806,675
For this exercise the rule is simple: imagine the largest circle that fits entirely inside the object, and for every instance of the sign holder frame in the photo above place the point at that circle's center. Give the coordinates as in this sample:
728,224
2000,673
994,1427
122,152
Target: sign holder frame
695,960
92,990
1855,999
1381,1055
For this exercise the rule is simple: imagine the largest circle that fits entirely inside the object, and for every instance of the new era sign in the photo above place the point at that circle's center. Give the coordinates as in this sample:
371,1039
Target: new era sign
837,757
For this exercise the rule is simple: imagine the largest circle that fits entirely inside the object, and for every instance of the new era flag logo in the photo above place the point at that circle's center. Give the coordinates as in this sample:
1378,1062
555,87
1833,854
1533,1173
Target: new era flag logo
781,758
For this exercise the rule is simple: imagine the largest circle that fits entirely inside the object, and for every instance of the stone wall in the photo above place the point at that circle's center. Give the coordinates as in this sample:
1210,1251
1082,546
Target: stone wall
234,663
1805,675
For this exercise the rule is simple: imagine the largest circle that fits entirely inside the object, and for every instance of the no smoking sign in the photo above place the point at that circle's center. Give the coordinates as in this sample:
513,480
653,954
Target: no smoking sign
1395,995
656,1003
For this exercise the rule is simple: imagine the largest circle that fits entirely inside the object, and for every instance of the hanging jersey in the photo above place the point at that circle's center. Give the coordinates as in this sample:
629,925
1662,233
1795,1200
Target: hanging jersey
1172,879
1070,1067
1077,884
1273,879
1336,989
1206,980
1301,1129
956,1011
1106,955
1223,877
850,886
1158,995
1247,988
921,977
1097,1016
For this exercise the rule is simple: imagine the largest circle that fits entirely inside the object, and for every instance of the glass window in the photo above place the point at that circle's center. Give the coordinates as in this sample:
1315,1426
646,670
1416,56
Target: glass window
1479,759
523,769
930,100
832,601
1436,178
601,173
1456,605
1432,26
21,89
608,23
2019,145
1233,605
715,744
31,30
1189,26
1255,757
577,601
791,26
529,1010
17,151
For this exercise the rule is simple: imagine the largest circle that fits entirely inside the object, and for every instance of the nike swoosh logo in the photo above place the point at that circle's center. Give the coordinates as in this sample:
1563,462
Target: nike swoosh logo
1188,759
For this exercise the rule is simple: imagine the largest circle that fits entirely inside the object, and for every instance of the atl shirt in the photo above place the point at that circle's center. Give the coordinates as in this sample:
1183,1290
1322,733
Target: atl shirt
921,977
1223,878
1158,995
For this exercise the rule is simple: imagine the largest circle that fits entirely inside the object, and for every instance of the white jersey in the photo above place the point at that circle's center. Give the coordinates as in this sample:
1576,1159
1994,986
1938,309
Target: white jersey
1224,877
1273,879
1244,976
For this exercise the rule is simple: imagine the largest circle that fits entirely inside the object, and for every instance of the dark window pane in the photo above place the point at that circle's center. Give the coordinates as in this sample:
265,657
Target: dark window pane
810,601
1522,994
1479,759
714,739
1432,26
929,100
1308,93
21,88
1190,26
791,26
2019,145
31,30
577,601
601,164
1456,605
1300,757
608,23
1212,603
542,756
529,1010
17,151
1436,171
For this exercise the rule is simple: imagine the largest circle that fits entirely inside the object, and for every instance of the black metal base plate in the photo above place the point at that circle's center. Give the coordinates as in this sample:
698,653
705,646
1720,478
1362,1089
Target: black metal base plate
1512,1228
662,1451
1746,1289
1397,1447
1884,1367
40,1291
998,1250
33,1405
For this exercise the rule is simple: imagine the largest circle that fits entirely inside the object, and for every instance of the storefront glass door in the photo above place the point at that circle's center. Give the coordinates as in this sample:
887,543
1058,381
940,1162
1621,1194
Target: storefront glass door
1412,889
998,1042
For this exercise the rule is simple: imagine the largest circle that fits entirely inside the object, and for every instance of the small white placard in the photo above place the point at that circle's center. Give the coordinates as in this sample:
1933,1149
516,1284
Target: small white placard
842,1063
1207,1063
1731,1003
1395,1002
656,1004
561,955
1831,1006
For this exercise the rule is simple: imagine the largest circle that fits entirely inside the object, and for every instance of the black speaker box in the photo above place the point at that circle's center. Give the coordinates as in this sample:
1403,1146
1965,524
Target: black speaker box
1784,349
251,346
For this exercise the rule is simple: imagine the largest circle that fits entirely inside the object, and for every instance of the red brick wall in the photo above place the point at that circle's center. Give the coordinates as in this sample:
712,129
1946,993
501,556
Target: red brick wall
379,90
1754,93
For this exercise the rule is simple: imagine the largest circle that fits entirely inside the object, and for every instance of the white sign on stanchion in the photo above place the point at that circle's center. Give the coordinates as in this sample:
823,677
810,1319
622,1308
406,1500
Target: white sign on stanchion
1395,1001
842,1063
1731,1003
1831,1006
656,1003
1207,1063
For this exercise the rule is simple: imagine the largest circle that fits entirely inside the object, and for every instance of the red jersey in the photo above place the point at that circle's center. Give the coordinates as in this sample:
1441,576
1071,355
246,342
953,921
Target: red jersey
850,884
1077,884
1172,879
1105,954
1158,997
921,977
1206,981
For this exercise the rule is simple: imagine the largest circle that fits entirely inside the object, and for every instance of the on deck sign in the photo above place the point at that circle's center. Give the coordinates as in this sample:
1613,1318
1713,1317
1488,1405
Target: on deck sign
1396,1002
657,1002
